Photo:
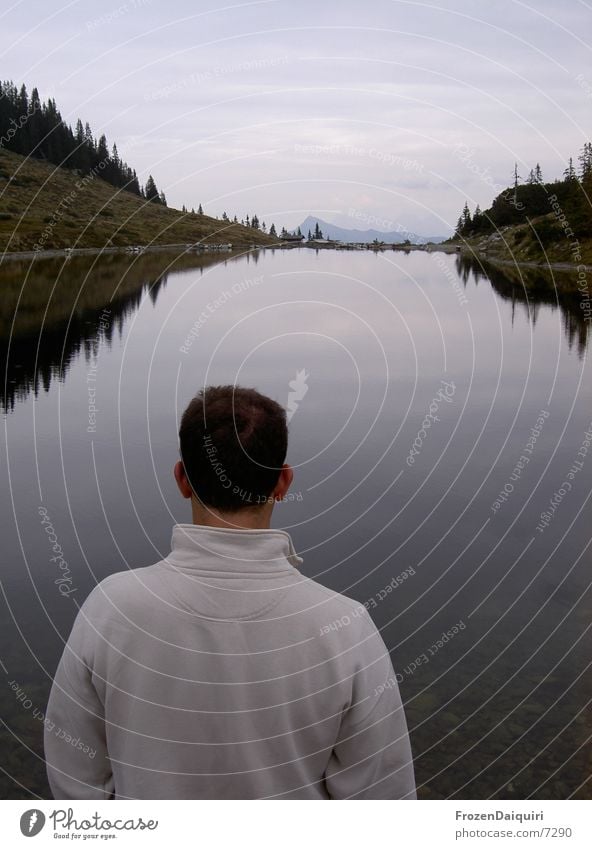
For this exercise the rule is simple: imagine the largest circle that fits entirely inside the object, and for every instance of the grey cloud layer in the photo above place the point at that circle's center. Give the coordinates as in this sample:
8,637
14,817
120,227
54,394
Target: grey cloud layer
193,88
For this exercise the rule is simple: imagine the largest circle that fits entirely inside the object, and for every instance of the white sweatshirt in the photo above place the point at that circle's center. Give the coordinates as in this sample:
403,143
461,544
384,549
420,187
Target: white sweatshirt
222,672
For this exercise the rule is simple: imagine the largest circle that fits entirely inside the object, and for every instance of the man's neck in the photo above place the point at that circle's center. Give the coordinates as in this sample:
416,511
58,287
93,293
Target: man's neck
249,518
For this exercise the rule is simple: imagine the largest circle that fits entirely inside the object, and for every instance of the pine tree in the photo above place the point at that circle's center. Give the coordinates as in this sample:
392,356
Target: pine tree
224,216
516,178
35,123
570,172
585,159
255,222
538,174
200,210
478,220
56,145
151,191
102,150
89,137
309,235
22,108
79,132
466,219
83,158
162,199
272,231
22,102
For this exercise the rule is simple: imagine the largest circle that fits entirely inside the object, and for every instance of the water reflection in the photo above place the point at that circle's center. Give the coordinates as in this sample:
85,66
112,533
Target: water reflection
499,709
51,311
531,288
50,308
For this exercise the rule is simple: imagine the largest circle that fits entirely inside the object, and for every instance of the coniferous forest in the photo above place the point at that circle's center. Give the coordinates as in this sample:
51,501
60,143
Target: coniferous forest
32,128
524,201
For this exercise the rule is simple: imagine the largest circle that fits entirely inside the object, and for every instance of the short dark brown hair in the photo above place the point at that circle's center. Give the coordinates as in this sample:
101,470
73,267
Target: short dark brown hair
233,444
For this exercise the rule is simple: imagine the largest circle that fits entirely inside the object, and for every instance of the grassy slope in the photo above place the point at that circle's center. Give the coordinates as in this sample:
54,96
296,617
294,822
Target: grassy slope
94,215
519,243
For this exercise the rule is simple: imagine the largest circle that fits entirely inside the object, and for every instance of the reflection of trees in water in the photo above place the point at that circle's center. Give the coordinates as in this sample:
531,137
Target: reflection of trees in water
50,309
529,288
32,362
51,312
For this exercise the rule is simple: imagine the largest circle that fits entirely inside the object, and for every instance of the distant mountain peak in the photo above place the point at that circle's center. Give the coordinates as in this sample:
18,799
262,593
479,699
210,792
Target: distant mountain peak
344,234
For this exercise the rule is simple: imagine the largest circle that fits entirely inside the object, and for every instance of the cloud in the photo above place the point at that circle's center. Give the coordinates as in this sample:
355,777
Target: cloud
195,86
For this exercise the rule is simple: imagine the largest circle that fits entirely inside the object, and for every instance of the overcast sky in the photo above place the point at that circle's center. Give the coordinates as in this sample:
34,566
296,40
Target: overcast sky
385,113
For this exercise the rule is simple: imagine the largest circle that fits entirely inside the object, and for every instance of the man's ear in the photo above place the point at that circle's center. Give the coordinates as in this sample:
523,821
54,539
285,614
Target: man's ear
284,482
182,482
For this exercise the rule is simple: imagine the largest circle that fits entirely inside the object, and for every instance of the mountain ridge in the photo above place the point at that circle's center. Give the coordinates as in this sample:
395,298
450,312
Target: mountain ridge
344,234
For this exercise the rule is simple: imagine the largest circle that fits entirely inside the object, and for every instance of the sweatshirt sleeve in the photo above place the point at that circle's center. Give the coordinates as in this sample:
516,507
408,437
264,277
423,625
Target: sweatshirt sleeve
76,757
372,756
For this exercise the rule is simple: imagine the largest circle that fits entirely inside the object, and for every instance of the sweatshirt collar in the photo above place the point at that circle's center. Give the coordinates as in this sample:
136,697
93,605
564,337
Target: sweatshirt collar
242,550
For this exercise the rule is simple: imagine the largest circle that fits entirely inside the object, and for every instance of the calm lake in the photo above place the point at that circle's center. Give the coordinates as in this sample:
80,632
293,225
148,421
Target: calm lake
445,411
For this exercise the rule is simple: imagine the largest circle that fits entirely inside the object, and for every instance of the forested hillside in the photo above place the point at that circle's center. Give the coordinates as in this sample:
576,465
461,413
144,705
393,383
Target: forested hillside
538,219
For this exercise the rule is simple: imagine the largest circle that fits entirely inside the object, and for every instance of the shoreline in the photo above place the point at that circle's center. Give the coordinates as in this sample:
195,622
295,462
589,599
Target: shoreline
540,266
225,248
478,255
66,253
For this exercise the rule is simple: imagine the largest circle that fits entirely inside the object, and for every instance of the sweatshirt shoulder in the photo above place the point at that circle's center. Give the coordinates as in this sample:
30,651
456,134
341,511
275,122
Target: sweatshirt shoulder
329,603
118,590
